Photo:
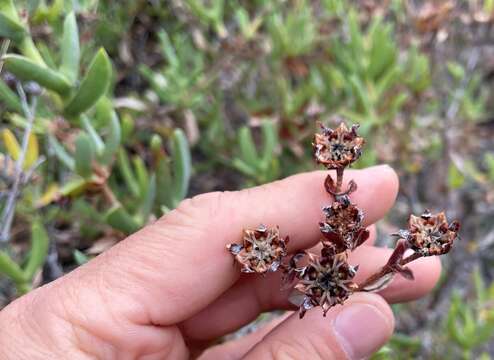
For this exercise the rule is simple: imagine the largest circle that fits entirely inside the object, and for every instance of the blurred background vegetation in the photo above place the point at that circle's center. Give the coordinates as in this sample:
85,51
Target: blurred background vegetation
111,112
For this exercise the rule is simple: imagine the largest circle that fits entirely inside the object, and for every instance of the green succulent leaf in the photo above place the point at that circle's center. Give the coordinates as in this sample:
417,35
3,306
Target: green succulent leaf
248,150
26,69
454,322
244,168
182,165
142,175
39,249
80,258
164,182
118,218
93,86
70,48
11,29
9,98
127,172
113,140
270,141
84,156
61,153
9,267
93,134
148,199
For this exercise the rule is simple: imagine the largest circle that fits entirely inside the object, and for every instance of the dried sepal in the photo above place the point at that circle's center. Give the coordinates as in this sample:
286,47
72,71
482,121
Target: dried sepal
331,188
430,234
325,282
292,270
396,259
261,251
378,284
338,148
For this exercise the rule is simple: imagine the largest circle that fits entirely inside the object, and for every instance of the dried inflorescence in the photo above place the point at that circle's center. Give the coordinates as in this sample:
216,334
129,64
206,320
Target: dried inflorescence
326,280
431,234
337,148
343,228
261,251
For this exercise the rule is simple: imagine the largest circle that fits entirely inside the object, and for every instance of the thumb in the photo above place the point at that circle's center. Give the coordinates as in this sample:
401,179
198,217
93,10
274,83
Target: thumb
352,331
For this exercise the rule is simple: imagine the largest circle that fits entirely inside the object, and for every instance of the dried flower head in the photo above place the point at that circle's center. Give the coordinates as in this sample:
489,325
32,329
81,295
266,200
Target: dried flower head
431,234
336,149
343,227
325,282
261,251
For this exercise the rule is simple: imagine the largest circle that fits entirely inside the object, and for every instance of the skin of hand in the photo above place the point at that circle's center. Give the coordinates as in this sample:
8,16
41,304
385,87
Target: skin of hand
171,289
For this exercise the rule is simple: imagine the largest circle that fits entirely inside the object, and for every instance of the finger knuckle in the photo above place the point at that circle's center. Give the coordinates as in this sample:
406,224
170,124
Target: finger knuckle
204,206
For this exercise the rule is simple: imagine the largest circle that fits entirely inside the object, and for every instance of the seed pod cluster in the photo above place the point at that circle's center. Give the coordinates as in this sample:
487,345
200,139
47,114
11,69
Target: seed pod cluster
327,279
261,251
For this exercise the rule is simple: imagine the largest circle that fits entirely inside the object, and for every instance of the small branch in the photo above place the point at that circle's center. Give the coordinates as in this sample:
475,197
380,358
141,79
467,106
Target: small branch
9,209
108,194
387,269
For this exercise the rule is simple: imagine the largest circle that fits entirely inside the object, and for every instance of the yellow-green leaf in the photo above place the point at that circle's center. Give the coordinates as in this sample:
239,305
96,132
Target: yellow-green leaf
32,152
11,29
11,144
74,187
51,194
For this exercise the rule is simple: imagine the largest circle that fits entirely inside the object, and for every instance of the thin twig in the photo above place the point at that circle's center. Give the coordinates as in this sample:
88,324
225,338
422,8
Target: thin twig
9,209
454,107
3,51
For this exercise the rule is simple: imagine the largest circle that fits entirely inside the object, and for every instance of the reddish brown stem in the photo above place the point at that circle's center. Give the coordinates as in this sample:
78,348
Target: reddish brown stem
410,258
339,179
386,269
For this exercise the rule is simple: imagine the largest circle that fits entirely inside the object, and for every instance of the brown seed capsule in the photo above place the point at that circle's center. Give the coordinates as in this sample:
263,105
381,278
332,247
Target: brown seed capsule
336,149
261,251
342,228
431,234
325,282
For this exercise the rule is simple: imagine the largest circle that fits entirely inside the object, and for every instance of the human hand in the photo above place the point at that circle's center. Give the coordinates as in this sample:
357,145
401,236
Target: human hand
171,289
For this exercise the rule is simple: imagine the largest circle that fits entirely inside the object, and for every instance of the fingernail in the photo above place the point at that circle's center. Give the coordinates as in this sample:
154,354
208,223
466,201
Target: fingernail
362,329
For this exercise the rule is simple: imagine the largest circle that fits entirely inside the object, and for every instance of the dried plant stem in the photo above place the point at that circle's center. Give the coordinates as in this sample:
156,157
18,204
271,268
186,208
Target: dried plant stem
9,209
386,269
108,194
339,179
3,51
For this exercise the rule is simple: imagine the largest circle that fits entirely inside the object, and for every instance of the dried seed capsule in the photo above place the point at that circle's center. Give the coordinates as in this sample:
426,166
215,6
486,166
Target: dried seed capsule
343,227
431,234
261,251
336,149
325,282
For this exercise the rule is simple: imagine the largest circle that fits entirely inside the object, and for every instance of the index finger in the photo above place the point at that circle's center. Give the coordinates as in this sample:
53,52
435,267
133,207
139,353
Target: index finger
178,265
